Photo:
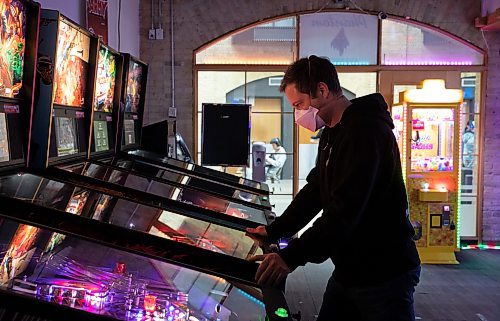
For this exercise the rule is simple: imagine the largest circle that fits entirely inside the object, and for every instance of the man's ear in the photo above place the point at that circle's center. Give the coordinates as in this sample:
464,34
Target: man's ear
323,89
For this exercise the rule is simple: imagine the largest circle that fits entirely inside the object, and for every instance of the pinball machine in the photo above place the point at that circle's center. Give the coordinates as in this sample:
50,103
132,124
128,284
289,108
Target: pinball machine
19,40
124,273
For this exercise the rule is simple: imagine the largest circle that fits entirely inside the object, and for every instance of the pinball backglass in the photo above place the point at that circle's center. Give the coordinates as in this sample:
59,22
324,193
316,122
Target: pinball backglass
12,46
72,59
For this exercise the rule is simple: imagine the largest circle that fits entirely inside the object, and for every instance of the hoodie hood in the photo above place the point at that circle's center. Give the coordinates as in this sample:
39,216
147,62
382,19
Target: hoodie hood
369,106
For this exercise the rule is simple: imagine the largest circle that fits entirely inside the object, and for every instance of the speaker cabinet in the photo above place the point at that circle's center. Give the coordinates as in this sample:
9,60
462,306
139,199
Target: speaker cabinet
225,134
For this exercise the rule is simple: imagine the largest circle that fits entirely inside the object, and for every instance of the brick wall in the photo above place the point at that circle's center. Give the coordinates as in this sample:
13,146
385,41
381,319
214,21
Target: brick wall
198,22
491,149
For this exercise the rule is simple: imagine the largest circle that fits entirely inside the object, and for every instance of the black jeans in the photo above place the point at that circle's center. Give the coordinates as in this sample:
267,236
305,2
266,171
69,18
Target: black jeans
389,301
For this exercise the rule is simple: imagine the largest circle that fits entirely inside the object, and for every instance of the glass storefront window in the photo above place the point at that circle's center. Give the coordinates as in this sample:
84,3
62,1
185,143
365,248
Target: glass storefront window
399,89
265,44
281,202
469,175
219,87
470,84
468,207
272,118
357,84
432,140
397,114
470,141
407,44
345,38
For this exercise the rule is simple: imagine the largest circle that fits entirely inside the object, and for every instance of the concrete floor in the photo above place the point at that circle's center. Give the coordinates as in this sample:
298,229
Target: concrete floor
469,291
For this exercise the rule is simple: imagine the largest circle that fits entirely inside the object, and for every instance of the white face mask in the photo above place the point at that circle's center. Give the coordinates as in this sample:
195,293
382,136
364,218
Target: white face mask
309,118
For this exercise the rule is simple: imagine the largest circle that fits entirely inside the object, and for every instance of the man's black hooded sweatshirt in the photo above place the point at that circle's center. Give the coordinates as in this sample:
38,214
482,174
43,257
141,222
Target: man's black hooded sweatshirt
358,184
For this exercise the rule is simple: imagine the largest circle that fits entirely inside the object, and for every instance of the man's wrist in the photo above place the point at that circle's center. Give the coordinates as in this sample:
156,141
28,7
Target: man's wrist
288,255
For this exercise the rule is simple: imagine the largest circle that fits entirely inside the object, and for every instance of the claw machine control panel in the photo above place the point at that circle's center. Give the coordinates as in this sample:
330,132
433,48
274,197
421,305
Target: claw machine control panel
427,128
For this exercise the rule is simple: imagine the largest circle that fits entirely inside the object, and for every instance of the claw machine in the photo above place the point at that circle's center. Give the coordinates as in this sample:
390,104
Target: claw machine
427,128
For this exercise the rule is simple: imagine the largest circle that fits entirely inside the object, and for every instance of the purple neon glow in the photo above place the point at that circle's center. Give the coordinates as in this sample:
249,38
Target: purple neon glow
429,63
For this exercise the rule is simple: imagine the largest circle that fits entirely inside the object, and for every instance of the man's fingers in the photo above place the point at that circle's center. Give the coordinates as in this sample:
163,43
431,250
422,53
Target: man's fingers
263,278
263,267
271,271
257,258
282,275
260,230
251,230
273,276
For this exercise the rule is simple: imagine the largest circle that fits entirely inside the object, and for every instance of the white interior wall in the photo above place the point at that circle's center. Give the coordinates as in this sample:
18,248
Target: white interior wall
129,20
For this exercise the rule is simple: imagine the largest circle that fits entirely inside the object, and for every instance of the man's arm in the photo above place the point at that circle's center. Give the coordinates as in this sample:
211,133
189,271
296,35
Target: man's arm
303,208
354,176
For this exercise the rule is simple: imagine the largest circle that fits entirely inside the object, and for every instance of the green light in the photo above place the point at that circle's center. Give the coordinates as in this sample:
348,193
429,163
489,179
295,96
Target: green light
281,312
481,247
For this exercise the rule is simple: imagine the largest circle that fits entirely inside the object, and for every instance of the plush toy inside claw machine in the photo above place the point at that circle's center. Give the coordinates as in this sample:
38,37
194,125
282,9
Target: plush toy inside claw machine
427,127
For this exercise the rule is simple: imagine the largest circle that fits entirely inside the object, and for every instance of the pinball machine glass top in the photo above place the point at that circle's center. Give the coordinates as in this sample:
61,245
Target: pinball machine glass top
133,87
105,81
12,46
72,62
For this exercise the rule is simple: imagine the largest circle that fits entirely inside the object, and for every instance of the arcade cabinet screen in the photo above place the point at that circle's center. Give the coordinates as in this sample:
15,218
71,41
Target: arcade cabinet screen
67,143
134,82
101,135
71,66
4,140
19,253
129,131
12,44
105,81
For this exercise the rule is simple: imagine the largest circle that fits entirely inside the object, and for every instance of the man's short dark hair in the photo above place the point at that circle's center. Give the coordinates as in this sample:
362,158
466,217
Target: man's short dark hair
306,80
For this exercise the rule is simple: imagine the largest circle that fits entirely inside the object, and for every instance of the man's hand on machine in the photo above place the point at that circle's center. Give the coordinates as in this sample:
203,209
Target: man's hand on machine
258,234
272,270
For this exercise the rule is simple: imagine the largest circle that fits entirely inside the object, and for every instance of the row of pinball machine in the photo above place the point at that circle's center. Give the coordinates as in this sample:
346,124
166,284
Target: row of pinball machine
93,225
